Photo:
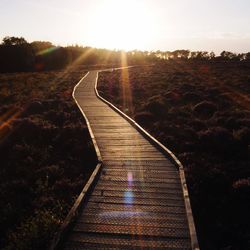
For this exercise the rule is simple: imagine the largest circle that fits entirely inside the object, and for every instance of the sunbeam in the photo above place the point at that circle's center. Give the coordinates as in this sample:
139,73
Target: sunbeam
5,121
126,87
47,51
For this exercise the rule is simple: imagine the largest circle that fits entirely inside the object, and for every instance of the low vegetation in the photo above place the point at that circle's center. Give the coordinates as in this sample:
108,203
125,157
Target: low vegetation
199,110
194,102
46,155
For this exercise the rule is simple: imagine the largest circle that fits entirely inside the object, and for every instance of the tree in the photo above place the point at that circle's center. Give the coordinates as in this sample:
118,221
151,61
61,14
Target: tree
228,55
248,56
12,41
211,55
16,55
200,55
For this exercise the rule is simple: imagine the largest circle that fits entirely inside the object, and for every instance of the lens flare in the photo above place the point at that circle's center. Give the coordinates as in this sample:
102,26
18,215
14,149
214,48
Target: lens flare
47,51
128,197
126,86
5,122
130,178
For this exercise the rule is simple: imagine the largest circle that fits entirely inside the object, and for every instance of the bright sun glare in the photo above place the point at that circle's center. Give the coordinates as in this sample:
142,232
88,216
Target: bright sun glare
122,25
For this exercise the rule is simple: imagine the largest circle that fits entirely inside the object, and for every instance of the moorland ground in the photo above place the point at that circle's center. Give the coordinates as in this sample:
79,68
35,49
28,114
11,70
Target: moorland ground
46,155
200,111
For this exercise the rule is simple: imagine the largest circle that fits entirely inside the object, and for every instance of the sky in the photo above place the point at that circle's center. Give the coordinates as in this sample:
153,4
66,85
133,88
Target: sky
211,25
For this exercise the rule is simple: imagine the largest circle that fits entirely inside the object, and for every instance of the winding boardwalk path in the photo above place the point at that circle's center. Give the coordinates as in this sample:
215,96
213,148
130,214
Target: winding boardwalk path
138,201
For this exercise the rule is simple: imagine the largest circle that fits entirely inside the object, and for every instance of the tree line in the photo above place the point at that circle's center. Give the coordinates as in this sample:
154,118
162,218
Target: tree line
16,54
202,55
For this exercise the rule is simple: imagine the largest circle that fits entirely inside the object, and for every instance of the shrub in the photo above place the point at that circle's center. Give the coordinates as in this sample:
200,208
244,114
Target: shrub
242,184
224,101
243,135
205,110
144,117
156,106
191,97
34,107
244,122
26,127
197,124
217,139
171,97
34,233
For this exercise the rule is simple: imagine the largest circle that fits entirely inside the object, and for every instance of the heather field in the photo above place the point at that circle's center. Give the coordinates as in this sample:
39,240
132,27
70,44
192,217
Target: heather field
201,111
46,155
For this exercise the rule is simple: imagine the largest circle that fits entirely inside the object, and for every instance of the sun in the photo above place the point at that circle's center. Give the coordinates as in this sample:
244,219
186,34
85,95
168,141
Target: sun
123,25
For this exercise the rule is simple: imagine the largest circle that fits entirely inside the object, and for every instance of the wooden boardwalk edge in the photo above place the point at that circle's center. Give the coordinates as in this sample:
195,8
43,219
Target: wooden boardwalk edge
172,158
61,234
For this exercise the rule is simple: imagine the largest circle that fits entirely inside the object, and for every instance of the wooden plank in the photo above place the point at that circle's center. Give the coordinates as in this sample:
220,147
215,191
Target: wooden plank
126,184
158,163
133,222
136,201
127,230
130,156
108,241
132,151
122,170
101,207
117,141
137,194
145,190
124,147
114,129
144,179
135,174
108,133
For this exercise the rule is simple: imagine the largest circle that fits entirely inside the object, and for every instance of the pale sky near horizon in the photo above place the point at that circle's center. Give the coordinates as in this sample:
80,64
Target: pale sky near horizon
212,25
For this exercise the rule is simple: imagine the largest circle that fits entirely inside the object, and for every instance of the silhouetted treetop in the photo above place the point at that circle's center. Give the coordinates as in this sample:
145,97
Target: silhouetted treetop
11,40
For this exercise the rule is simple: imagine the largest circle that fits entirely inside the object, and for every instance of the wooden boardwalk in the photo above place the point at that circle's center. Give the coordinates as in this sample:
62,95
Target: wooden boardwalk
138,201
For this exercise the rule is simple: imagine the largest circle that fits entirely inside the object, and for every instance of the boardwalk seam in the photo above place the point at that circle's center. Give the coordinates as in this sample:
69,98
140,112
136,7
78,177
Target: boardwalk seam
173,158
60,236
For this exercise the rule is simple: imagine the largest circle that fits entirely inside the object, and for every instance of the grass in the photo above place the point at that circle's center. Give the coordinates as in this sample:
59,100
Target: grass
46,155
200,111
